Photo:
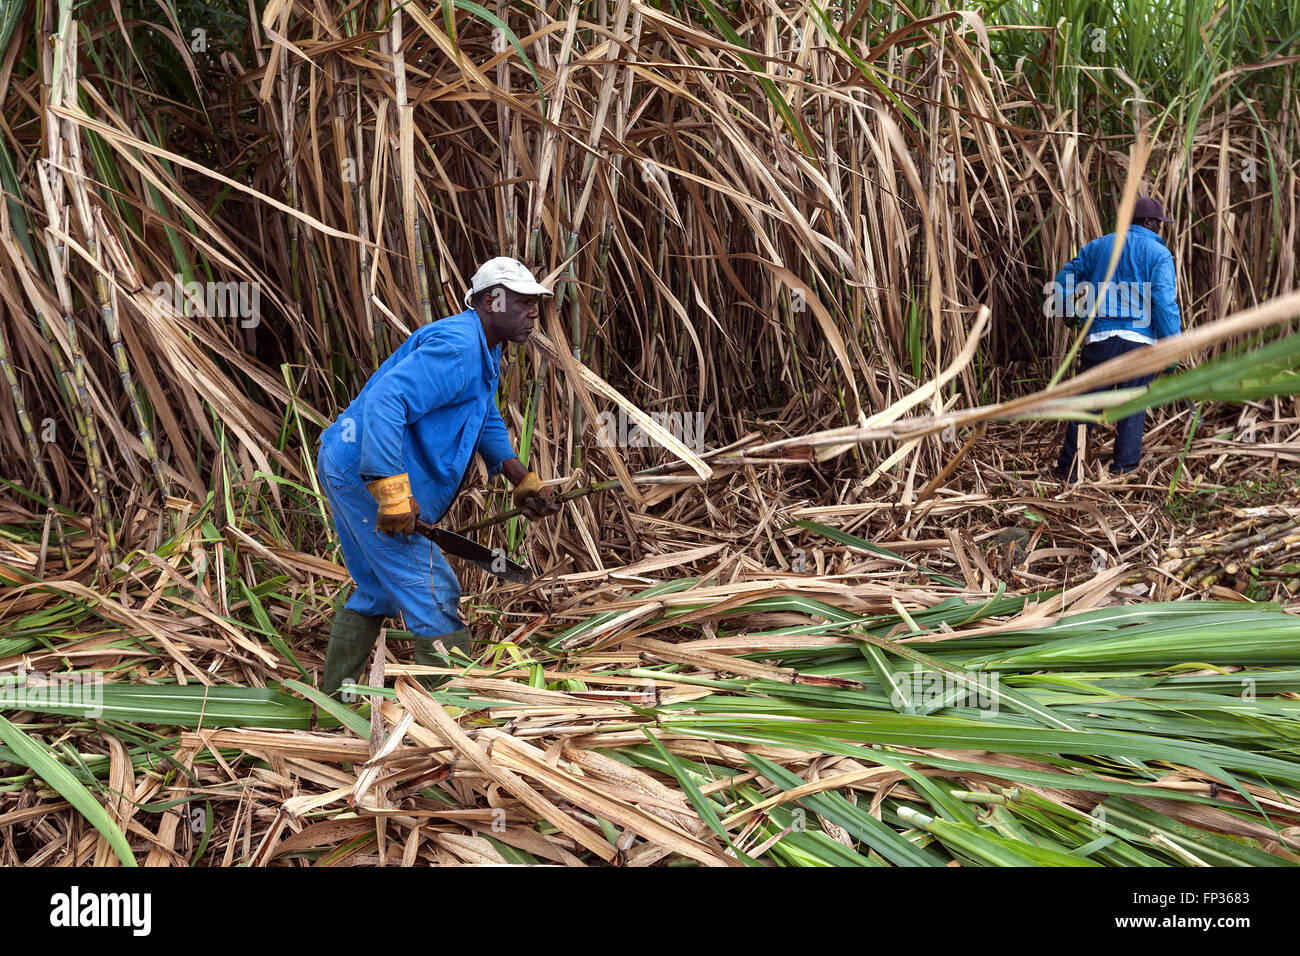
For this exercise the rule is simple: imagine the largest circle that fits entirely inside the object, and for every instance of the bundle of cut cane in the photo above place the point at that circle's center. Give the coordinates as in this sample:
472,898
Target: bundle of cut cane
1230,553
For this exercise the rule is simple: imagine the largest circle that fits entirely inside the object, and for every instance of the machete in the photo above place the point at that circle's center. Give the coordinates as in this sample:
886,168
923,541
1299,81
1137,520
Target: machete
493,562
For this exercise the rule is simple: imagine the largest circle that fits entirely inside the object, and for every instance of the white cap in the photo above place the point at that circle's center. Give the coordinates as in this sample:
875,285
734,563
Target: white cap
511,273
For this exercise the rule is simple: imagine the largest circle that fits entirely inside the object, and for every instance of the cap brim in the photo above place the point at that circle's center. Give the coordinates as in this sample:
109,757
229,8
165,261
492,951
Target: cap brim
526,288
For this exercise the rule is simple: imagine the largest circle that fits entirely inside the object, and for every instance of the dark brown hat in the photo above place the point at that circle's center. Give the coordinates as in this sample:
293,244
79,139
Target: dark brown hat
1147,208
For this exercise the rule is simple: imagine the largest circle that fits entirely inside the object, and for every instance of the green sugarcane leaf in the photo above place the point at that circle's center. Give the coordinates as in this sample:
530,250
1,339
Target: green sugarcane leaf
879,836
853,541
347,717
791,120
190,705
268,629
41,760
701,803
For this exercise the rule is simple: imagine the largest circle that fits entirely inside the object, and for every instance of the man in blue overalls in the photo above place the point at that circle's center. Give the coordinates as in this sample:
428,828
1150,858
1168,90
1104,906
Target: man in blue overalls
1137,307
401,450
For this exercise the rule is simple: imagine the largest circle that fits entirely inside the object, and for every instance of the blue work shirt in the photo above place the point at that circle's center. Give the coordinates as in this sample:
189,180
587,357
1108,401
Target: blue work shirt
425,412
1143,292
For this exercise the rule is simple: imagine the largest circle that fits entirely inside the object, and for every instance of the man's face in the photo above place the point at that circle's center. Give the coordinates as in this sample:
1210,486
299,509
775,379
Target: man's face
510,315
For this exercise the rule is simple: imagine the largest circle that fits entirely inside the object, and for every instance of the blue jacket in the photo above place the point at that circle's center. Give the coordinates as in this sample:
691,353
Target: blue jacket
1143,296
425,412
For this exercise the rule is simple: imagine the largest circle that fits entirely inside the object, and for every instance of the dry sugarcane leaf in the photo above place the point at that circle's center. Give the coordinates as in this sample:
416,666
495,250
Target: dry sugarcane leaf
431,715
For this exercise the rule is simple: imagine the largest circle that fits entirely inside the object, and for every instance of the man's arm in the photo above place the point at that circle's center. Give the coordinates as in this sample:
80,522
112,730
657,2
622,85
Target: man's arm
1068,283
514,470
494,444
1164,298
1079,268
535,499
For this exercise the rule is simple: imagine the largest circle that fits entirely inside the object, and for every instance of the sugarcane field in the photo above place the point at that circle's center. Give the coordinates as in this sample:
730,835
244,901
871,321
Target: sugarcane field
717,433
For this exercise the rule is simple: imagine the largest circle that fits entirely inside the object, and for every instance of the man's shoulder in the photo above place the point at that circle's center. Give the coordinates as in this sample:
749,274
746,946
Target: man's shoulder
454,333
1154,246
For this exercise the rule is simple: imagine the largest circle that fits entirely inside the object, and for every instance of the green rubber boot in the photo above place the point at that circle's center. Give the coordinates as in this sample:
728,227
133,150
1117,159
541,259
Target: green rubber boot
351,640
426,654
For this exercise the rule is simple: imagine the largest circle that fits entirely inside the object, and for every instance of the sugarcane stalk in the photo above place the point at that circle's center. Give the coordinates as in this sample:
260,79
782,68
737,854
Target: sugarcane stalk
505,117
363,248
1245,541
91,440
421,269
575,339
390,239
97,238
128,382
59,66
325,318
438,297
1206,580
291,182
993,799
405,147
64,374
94,228
1232,549
33,447
788,312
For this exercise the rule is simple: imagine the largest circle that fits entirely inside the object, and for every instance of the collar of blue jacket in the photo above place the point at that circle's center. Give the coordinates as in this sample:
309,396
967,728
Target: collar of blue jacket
425,412
1146,233
491,356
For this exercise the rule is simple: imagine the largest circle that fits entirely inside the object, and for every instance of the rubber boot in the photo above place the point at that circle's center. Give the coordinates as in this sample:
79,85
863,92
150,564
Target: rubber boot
351,641
427,654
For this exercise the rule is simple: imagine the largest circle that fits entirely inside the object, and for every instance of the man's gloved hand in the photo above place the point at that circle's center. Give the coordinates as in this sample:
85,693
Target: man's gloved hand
398,508
535,499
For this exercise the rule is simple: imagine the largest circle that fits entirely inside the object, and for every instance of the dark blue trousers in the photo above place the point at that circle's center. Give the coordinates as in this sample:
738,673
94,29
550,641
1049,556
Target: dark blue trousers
1128,431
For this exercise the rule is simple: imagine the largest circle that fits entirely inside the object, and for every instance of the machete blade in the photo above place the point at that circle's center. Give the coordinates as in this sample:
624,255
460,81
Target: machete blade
493,562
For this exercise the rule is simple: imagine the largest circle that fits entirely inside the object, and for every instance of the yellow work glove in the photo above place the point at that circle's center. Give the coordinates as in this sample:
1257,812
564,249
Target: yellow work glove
398,508
534,498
